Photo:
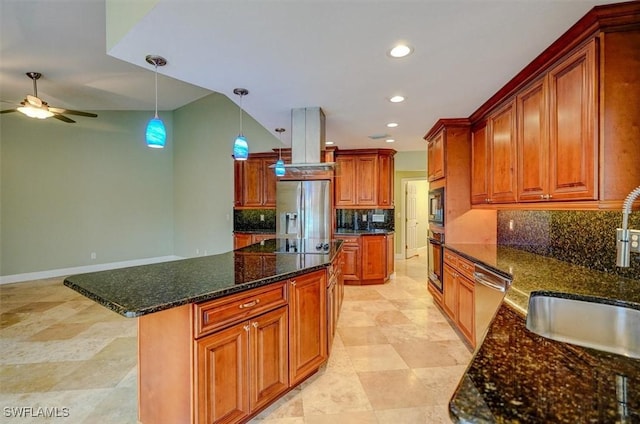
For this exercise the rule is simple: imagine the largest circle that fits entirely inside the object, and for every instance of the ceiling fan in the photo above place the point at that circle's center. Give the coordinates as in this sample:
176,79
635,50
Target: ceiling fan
34,107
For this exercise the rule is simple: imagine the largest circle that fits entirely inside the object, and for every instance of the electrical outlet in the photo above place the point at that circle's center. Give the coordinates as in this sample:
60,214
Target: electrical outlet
364,217
634,241
93,255
197,252
511,225
261,217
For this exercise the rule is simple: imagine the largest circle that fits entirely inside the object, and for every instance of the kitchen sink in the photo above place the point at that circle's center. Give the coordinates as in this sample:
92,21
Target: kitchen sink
588,323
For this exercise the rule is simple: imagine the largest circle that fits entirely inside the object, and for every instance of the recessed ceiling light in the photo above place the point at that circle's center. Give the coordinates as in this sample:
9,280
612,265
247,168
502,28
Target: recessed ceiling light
389,140
328,142
392,124
401,50
396,99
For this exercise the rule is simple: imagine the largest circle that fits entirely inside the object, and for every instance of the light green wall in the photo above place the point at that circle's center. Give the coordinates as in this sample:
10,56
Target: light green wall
203,172
71,189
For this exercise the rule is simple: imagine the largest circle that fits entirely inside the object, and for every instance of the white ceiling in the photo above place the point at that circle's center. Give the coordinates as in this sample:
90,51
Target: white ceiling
288,54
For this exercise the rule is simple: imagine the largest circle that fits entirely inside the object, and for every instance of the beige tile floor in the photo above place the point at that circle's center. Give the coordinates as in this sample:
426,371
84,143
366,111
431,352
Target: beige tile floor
395,359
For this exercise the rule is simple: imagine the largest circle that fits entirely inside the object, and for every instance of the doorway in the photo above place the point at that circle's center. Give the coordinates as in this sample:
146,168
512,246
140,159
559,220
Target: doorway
415,216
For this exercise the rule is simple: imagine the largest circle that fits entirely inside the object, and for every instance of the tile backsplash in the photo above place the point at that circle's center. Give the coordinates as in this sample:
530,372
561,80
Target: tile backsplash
254,220
586,238
376,219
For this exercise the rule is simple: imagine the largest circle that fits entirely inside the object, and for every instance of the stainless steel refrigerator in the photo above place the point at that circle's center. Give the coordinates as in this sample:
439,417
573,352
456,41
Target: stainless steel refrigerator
303,209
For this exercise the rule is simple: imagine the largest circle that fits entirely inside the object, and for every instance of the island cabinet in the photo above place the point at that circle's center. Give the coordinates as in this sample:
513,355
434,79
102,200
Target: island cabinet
335,295
307,325
351,269
255,182
224,360
458,295
364,178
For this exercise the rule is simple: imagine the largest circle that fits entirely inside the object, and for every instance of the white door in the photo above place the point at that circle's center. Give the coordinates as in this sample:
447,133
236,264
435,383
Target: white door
411,227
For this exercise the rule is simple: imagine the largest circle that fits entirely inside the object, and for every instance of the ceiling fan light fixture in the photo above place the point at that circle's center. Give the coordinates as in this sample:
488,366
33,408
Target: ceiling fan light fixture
240,145
31,111
156,133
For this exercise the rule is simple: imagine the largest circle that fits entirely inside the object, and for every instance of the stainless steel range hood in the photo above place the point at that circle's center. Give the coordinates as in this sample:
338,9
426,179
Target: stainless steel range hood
307,141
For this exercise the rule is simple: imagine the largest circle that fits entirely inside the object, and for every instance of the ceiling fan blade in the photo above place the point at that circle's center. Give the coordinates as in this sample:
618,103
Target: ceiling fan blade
63,118
8,110
72,112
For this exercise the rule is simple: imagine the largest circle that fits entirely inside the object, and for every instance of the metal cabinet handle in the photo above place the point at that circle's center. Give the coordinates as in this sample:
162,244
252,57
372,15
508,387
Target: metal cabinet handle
293,282
255,324
246,327
249,304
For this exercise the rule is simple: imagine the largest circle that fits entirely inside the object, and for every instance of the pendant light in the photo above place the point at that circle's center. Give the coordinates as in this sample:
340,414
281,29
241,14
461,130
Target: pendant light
240,145
280,164
156,134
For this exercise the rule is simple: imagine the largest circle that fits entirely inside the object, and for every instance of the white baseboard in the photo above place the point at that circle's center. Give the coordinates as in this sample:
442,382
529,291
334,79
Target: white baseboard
52,273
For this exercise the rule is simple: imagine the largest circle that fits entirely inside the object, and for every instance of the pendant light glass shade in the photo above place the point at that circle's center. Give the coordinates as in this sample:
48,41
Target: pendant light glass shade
279,168
240,145
240,148
156,134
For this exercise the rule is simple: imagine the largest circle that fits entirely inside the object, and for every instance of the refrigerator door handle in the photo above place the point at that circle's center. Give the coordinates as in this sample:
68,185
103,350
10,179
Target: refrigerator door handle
301,205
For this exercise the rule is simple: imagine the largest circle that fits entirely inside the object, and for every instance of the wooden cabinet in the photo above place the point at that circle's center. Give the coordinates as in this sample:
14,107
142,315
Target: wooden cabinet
364,178
435,157
573,138
307,325
374,258
242,368
255,182
245,239
368,258
479,164
391,260
499,154
557,140
458,294
386,172
351,257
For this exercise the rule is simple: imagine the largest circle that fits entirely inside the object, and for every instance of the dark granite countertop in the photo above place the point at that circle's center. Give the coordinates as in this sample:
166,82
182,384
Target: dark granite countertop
256,231
533,272
376,231
140,290
517,376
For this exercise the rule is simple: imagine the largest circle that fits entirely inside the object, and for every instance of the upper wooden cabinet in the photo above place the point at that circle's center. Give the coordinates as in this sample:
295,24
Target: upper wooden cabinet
255,182
435,157
576,119
364,178
556,137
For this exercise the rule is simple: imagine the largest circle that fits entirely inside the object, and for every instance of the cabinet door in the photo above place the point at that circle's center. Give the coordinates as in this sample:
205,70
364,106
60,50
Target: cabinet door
502,158
466,309
269,366
237,182
533,143
573,120
390,254
366,180
374,257
345,181
241,240
222,372
385,181
252,191
449,292
479,165
435,157
307,325
269,182
351,268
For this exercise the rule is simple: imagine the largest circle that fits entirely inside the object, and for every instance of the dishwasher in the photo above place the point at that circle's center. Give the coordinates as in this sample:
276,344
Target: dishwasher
489,291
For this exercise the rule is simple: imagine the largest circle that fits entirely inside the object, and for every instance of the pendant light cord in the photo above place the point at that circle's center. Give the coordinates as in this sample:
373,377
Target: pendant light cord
156,65
241,96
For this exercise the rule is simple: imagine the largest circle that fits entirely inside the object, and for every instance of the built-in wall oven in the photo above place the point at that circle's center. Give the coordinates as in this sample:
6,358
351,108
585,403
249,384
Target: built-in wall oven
436,258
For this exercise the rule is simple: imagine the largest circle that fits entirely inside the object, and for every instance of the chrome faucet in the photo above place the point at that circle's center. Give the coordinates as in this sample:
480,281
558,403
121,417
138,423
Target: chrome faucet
627,240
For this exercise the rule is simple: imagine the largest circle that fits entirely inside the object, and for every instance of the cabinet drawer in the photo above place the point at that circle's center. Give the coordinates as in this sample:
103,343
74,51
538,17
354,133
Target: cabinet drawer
466,267
451,258
219,313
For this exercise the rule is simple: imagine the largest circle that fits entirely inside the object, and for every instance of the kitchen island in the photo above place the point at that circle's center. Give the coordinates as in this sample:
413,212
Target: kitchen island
518,376
221,337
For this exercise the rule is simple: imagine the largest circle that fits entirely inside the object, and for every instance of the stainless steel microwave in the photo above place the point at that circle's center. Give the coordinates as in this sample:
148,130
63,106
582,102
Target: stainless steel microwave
436,206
